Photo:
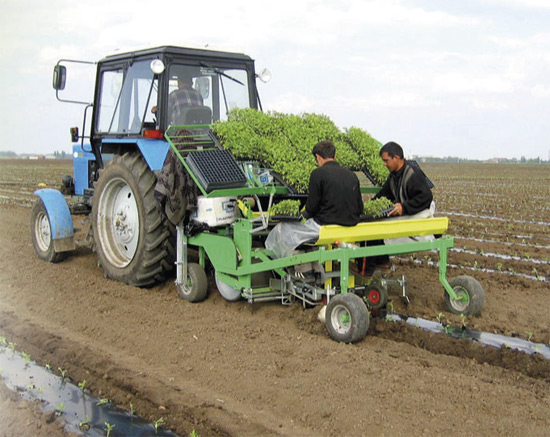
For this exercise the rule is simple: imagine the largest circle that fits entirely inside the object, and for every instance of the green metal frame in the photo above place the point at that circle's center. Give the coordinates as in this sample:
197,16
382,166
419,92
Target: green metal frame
232,257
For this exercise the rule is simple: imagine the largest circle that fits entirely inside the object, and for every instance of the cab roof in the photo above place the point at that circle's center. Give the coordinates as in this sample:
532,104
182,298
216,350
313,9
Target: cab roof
178,52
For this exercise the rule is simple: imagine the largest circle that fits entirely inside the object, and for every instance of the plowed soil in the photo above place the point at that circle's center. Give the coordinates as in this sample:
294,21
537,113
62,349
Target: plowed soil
223,368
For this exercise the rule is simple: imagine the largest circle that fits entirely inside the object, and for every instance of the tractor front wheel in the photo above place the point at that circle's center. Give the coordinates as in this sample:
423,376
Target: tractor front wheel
41,233
471,297
347,318
130,234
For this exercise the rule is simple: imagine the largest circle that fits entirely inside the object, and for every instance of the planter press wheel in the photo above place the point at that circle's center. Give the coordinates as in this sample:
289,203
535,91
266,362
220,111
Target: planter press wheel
347,318
227,291
196,288
376,295
41,233
471,294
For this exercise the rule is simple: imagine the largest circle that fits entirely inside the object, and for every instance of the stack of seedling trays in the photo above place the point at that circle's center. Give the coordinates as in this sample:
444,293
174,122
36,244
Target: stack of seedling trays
216,169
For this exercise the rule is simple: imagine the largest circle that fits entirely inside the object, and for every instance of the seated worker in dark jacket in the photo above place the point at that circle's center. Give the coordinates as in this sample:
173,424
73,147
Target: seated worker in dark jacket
408,189
334,198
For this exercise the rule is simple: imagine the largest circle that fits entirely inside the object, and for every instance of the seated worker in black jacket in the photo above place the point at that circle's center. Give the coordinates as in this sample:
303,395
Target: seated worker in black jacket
408,189
334,198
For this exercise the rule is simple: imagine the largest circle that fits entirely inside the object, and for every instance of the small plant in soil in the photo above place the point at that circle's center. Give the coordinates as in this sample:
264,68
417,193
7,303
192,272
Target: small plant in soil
529,336
59,409
85,424
82,385
109,428
63,373
158,423
102,402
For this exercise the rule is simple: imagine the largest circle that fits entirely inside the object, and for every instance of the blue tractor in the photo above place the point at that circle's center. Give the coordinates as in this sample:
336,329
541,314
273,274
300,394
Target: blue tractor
116,166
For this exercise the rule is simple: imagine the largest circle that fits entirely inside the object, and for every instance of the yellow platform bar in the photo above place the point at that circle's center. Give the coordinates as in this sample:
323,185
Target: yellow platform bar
383,229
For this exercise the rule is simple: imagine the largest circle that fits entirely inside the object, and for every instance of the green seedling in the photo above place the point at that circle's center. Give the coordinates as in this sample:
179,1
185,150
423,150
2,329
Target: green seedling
27,357
390,306
102,402
499,266
527,256
194,434
60,408
30,386
463,318
109,428
85,424
131,409
440,318
63,373
48,367
11,345
82,385
158,423
529,336
3,341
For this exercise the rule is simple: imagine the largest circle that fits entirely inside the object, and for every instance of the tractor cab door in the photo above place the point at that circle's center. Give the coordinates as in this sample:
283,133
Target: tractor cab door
128,97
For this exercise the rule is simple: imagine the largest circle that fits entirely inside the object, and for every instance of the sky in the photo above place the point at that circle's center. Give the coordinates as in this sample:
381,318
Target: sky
466,78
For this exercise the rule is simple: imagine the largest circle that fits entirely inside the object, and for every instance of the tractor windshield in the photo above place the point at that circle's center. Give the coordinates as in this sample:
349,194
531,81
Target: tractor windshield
202,94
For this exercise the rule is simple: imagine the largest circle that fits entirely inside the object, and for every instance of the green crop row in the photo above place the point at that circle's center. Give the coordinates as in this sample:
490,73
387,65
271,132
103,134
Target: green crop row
283,142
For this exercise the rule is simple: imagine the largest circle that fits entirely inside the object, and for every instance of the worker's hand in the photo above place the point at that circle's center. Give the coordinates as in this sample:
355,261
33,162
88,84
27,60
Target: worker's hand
397,210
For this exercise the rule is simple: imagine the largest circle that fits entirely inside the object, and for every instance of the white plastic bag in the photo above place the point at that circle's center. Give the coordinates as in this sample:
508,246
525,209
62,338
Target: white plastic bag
287,236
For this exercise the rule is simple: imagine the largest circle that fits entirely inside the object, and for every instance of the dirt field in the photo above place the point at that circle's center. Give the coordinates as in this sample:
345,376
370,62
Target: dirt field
223,368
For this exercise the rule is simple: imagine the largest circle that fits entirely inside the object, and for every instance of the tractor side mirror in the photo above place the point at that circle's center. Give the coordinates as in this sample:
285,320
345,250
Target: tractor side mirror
59,77
74,134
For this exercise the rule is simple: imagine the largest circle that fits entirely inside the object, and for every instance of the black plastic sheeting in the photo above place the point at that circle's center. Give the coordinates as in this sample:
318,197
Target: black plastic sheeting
484,338
72,404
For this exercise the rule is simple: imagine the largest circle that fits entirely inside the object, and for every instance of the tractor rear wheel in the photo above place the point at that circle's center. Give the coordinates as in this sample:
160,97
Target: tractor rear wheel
471,296
347,318
130,234
41,233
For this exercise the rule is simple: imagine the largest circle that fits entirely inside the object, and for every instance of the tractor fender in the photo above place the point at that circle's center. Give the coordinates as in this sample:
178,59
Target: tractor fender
154,152
59,216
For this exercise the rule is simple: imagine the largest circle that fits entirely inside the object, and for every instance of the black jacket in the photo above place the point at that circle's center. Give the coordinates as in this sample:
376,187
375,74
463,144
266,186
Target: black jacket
334,196
409,187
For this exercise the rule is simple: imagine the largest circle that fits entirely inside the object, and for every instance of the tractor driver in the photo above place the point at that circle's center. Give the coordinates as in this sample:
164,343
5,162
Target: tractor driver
334,199
183,97
407,187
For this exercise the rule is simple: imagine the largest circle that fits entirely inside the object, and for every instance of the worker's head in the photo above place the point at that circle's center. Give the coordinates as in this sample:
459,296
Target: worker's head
324,151
392,155
185,79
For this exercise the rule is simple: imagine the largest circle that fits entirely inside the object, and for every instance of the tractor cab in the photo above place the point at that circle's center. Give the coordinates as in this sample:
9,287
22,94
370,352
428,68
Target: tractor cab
140,94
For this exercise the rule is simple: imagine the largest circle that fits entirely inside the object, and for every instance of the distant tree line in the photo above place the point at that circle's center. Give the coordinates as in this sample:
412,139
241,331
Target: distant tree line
456,159
56,154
